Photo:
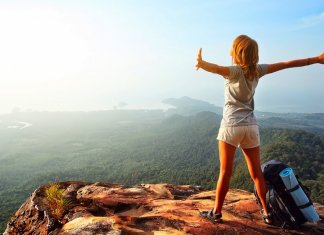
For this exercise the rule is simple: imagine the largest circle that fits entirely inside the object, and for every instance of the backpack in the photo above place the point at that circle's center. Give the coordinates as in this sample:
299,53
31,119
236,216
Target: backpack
285,212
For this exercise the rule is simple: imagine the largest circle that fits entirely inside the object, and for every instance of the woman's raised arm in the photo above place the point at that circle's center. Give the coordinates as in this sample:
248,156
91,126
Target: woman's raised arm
209,67
295,63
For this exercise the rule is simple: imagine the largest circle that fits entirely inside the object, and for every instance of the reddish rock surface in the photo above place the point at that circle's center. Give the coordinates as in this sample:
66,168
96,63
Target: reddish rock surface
156,209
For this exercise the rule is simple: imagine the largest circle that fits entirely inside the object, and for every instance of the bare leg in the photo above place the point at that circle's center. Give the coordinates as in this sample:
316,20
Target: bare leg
252,157
226,159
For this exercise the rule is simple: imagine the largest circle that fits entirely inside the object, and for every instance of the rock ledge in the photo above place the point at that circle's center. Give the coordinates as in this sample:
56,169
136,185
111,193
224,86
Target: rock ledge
106,208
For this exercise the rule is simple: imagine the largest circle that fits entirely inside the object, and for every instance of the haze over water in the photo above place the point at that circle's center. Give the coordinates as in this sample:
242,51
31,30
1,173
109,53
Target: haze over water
96,55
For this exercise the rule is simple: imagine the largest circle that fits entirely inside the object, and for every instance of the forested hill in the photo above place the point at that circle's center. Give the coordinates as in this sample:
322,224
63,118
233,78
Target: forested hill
131,147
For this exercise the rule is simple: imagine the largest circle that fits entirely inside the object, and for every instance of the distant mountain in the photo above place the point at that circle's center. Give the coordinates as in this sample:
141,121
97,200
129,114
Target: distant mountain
187,106
309,122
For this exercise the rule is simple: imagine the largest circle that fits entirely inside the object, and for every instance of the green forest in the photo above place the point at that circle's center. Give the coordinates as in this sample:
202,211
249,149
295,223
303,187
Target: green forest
140,146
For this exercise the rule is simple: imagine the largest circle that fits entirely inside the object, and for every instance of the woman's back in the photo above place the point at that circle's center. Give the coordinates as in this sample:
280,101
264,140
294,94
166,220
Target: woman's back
239,92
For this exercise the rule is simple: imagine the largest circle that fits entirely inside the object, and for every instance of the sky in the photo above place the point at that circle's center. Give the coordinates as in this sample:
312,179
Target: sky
69,55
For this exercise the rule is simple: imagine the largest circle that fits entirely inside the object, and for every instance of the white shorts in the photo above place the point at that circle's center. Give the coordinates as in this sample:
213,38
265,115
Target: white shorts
245,136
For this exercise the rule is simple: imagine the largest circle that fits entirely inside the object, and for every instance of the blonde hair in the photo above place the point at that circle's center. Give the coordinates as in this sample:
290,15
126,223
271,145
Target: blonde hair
245,53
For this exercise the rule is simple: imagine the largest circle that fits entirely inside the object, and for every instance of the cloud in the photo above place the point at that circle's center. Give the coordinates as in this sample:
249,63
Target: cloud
312,20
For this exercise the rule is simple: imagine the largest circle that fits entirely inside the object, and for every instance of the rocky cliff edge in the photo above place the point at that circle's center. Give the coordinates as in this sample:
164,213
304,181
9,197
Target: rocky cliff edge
78,208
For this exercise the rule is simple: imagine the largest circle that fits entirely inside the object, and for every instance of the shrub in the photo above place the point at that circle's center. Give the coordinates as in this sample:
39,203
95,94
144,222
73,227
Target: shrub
56,201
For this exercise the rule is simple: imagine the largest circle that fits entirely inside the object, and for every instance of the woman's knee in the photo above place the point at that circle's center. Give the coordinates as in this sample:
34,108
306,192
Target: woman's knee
256,176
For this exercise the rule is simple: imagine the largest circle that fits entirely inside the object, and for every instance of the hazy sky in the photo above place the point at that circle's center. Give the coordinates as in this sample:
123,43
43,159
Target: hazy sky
93,55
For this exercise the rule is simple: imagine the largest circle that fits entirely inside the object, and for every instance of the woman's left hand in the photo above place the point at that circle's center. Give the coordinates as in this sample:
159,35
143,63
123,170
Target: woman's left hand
321,58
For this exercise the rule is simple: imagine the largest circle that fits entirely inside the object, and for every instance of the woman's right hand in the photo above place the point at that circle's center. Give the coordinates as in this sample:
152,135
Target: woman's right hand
321,58
199,60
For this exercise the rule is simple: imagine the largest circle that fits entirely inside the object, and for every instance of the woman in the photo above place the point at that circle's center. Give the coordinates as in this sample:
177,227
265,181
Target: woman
239,126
